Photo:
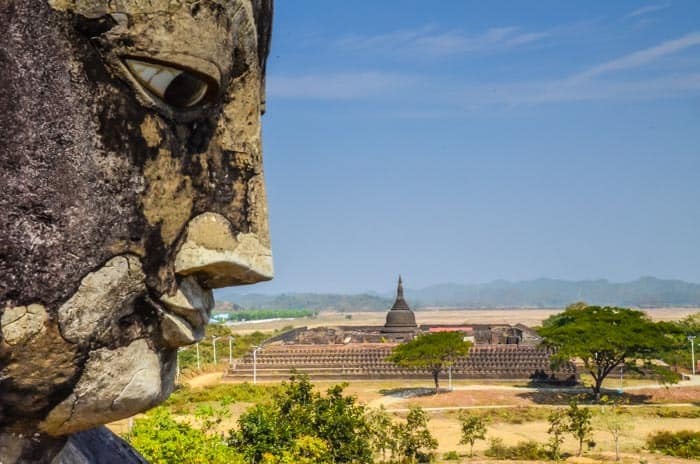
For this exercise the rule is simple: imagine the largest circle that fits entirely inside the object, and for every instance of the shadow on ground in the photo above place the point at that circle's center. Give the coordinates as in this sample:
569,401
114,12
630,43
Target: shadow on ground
555,397
410,392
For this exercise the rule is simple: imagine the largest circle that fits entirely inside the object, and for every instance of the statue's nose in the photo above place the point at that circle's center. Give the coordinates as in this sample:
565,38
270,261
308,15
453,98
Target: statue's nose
218,257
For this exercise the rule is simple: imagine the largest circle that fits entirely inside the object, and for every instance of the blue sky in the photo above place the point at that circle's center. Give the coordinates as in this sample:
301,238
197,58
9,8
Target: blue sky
474,141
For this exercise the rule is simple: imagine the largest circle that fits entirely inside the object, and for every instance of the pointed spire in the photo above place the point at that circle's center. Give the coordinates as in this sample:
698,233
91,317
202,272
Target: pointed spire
400,318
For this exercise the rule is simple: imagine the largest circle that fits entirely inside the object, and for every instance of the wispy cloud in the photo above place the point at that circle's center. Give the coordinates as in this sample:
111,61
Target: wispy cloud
429,41
339,86
561,91
437,94
642,57
645,10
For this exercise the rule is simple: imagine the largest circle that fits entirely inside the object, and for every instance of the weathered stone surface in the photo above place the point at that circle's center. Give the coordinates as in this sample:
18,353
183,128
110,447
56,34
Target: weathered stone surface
191,301
22,323
218,257
98,445
103,296
178,332
114,384
102,177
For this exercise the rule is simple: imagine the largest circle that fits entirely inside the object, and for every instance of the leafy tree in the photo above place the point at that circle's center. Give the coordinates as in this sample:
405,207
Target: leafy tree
305,450
380,424
679,355
473,429
579,423
603,338
285,426
434,352
414,438
260,433
162,440
558,425
615,421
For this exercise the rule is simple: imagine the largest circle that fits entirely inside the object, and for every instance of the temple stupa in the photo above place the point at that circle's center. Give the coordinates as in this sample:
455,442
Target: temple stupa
400,319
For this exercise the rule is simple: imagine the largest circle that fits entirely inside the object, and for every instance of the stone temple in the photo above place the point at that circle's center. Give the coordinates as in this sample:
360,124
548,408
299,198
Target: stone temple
400,320
499,351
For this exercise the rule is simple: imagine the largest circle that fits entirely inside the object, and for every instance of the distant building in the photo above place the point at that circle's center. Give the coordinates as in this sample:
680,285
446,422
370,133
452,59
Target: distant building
400,320
500,351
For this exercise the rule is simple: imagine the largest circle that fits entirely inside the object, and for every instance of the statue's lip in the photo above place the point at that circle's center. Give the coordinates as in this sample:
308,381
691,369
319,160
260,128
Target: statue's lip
186,313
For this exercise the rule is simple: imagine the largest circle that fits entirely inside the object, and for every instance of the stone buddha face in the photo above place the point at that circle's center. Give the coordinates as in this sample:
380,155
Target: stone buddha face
131,186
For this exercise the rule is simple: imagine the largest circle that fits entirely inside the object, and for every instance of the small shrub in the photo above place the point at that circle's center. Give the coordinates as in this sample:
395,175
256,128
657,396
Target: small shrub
185,399
525,450
451,456
683,444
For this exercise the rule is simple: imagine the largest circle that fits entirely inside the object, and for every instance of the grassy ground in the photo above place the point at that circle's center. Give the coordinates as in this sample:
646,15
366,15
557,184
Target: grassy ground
515,412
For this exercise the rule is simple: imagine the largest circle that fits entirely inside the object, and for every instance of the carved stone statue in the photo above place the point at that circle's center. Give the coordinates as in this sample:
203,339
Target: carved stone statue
131,185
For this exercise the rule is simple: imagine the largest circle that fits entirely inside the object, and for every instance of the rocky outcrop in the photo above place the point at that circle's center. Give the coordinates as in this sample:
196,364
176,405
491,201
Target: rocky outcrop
108,176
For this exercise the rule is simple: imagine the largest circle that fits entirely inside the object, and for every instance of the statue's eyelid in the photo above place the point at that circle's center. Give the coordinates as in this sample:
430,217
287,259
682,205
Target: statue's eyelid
174,85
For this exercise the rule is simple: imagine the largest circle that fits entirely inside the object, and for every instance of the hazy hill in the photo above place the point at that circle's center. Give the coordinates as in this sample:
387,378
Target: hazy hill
539,293
314,301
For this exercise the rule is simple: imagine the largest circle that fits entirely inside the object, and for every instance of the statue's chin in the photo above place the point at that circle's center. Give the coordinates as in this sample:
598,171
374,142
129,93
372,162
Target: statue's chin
115,384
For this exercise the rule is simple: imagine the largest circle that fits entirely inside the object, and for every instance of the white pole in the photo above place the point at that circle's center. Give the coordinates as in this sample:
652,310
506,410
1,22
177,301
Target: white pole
622,369
449,374
255,365
198,365
691,339
177,366
230,351
213,341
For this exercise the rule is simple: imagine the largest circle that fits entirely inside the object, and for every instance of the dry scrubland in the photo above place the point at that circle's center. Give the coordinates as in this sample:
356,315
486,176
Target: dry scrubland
517,412
443,316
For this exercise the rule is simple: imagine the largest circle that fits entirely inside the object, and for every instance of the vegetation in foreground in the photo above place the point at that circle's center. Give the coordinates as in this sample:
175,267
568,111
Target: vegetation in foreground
294,423
683,444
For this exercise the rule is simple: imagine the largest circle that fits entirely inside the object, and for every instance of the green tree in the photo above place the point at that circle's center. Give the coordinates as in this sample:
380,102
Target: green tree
558,425
603,338
379,423
273,430
579,423
473,429
678,355
615,421
304,450
434,352
163,440
414,438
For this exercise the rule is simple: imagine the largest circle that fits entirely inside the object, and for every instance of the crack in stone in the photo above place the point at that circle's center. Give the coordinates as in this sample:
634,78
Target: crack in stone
131,380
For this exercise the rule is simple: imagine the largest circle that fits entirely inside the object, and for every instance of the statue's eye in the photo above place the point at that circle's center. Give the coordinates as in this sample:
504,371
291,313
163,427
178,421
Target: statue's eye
177,87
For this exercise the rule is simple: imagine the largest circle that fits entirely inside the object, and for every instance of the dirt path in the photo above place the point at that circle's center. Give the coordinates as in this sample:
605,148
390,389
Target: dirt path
203,380
491,396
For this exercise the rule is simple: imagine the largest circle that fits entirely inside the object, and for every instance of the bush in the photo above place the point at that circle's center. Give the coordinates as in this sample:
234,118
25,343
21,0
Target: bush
525,450
185,399
298,425
451,456
683,444
162,440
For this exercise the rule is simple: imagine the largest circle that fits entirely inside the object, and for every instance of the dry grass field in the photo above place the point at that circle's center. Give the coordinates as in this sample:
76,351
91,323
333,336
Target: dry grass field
525,316
517,412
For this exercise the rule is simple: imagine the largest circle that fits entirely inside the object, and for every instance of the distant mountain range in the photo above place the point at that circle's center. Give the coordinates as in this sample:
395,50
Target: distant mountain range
539,293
